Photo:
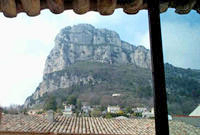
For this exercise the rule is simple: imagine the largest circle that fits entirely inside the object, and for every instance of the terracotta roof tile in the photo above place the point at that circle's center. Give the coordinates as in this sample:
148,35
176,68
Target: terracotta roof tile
76,125
11,8
15,124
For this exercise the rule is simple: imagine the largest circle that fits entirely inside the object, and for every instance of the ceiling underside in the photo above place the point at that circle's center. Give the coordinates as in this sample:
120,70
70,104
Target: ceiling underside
11,8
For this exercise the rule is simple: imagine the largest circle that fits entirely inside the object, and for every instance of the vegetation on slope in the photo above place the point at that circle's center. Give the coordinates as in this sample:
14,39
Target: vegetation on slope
133,83
183,88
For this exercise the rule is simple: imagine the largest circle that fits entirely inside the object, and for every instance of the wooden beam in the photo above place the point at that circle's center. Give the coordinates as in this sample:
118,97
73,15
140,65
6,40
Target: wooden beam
158,73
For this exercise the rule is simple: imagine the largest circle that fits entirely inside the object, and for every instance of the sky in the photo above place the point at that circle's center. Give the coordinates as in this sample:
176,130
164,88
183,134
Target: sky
27,41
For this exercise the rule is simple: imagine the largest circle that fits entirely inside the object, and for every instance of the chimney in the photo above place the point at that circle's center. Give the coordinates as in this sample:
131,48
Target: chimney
50,116
1,111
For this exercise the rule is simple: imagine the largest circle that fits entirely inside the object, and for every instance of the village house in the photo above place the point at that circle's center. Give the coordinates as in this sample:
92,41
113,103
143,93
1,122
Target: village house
86,109
148,114
68,110
113,109
139,109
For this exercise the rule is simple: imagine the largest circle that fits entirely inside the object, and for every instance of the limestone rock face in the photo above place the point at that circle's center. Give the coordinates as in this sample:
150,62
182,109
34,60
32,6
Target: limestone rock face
56,81
141,57
84,42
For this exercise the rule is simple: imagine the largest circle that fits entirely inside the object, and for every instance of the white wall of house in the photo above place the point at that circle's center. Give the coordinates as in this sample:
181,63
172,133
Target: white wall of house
113,109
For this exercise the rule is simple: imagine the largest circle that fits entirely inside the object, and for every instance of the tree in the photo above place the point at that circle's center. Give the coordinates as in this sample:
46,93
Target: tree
120,112
51,104
13,109
71,100
102,108
79,104
128,110
96,113
108,116
59,104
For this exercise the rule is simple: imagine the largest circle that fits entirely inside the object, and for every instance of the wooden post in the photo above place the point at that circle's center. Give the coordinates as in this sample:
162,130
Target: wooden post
158,74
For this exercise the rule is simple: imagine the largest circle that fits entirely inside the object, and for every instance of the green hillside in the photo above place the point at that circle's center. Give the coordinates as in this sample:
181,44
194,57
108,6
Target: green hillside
133,83
183,88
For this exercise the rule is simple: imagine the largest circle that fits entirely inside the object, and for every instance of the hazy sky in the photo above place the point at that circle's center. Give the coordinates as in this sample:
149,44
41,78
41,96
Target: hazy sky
26,42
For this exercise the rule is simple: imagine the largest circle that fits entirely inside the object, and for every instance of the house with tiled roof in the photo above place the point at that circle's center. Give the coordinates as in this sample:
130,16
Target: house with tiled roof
191,120
68,110
86,109
30,124
148,114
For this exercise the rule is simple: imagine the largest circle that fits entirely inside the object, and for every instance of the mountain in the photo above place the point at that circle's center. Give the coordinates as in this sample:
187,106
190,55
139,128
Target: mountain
84,42
92,64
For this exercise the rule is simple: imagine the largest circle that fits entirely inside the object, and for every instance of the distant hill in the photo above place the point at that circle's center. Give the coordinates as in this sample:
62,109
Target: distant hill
91,64
183,88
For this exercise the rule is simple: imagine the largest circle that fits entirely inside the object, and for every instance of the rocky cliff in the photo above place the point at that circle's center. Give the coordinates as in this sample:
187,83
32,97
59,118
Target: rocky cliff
84,42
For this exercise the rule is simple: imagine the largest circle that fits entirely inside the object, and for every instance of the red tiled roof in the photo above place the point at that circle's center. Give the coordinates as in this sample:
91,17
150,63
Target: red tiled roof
76,125
11,8
29,125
